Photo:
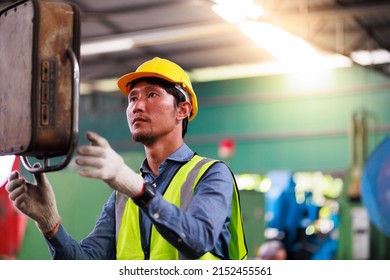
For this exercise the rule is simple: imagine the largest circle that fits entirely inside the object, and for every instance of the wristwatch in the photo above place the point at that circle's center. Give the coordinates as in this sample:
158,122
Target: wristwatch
148,194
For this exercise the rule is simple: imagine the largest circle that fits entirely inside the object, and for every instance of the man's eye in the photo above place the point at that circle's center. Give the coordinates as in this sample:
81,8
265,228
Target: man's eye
132,99
152,94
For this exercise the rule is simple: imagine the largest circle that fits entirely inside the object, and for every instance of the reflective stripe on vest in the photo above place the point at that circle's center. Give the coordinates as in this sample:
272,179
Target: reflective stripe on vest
128,230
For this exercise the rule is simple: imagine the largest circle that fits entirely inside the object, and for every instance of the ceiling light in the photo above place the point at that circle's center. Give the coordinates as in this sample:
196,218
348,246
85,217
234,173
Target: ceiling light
234,11
365,58
286,47
86,88
106,85
106,45
238,71
102,85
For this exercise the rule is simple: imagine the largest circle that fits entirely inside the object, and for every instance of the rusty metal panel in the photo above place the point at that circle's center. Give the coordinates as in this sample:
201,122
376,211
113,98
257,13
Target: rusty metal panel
16,53
37,78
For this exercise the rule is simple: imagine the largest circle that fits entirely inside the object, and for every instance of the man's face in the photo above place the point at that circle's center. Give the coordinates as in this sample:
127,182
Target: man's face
151,113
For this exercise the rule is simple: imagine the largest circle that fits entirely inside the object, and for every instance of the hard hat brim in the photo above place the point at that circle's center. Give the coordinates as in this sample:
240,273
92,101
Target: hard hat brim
125,81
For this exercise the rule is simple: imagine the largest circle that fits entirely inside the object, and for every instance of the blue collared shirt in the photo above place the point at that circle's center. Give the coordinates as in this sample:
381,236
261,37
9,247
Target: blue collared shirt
203,227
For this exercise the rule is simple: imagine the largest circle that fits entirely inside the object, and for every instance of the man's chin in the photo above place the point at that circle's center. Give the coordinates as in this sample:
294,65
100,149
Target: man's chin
142,138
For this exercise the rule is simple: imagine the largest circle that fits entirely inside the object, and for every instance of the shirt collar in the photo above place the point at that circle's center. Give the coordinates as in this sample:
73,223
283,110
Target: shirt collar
182,154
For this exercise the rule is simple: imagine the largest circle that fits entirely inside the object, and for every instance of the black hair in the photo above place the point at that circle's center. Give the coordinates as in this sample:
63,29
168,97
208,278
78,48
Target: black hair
168,87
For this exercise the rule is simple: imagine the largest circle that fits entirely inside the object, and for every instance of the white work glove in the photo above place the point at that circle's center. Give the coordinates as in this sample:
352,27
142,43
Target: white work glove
100,161
37,201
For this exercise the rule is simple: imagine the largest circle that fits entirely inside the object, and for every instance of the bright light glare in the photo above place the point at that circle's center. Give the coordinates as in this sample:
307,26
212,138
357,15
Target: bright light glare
318,76
106,46
245,182
236,71
265,185
235,11
228,15
6,163
270,68
336,61
364,58
285,46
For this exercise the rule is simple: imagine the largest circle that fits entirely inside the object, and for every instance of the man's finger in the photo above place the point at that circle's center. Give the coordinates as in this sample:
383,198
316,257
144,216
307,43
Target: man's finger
15,183
40,178
96,139
89,161
91,173
13,175
16,192
93,151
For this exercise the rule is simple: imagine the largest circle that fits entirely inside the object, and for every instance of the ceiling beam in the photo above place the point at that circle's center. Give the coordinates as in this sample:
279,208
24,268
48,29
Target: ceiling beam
371,9
171,35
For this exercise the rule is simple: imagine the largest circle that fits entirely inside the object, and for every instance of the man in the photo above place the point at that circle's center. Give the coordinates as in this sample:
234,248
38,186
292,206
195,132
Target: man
180,205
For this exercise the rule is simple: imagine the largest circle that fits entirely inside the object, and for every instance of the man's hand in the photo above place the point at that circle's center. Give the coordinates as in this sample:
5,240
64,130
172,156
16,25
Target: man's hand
37,201
100,161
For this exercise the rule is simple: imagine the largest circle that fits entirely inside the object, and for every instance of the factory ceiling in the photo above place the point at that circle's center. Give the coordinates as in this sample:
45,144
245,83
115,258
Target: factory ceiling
190,33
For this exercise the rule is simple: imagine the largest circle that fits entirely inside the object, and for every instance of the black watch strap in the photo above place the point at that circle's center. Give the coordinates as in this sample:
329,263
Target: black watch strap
148,194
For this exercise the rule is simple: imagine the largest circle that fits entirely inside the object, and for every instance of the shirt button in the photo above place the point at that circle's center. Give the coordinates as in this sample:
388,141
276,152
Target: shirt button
156,215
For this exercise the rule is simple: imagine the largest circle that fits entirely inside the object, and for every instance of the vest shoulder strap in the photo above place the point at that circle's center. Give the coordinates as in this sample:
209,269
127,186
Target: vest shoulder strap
192,179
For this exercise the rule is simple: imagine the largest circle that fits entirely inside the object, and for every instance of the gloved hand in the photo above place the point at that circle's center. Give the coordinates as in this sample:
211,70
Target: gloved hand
37,201
108,166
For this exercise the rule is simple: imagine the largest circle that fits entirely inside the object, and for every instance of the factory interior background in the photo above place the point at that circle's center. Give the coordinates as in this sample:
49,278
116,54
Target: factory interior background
315,128
318,135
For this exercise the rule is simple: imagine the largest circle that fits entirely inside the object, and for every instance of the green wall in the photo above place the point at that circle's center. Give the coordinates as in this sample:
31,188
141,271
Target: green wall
276,126
277,123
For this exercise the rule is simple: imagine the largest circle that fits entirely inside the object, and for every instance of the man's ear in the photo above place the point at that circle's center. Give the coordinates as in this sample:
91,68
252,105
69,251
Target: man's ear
184,110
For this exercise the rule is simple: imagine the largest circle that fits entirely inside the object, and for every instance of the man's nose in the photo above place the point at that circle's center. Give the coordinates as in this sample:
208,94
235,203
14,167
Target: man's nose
139,105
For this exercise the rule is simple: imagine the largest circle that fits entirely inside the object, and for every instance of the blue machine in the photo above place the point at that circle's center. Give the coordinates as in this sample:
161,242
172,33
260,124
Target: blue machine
375,186
289,221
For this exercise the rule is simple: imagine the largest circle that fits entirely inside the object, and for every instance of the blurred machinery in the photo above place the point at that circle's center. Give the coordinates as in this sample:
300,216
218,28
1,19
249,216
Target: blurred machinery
302,212
365,203
315,217
375,186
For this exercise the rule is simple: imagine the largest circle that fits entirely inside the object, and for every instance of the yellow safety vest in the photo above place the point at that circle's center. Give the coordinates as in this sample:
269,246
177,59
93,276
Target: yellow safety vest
128,228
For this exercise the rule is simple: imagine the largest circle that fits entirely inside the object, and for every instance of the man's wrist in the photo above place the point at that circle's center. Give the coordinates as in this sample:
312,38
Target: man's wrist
140,192
49,228
53,232
148,192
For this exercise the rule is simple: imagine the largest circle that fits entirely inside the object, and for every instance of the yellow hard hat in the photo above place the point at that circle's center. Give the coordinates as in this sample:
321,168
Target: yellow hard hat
165,69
